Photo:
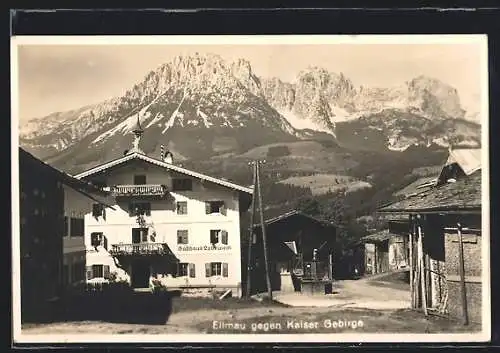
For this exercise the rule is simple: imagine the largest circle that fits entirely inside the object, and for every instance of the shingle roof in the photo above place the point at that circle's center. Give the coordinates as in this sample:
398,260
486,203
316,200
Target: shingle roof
292,213
78,185
416,186
378,237
462,195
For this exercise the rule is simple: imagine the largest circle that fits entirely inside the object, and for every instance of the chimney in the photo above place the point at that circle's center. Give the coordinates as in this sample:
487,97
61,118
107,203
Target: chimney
169,158
162,152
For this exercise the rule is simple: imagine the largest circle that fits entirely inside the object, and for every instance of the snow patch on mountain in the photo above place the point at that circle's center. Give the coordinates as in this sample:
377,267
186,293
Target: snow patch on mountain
175,114
301,123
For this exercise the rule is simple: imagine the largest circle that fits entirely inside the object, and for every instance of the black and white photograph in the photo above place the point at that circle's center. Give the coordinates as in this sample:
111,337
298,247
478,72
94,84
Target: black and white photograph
285,188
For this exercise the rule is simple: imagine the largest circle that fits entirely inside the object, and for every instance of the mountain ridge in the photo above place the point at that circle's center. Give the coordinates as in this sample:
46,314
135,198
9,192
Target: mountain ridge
220,106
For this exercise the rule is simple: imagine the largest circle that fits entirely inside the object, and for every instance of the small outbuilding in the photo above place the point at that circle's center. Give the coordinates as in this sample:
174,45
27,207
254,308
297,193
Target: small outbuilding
300,250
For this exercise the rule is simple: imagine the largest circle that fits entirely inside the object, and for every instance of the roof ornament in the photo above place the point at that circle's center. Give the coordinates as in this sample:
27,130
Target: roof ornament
138,132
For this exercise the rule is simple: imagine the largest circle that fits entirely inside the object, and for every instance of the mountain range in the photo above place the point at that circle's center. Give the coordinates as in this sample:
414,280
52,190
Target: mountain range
202,107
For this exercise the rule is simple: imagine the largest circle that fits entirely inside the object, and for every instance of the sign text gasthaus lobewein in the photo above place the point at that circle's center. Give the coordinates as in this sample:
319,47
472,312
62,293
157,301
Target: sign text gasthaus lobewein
204,247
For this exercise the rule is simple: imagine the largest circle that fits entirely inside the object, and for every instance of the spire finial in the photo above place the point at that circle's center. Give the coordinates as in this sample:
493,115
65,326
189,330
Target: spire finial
138,131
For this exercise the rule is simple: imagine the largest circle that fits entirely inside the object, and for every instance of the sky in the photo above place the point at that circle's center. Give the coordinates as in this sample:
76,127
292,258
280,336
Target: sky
59,77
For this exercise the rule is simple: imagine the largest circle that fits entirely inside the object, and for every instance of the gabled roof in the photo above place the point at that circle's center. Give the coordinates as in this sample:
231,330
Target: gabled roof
159,163
293,213
469,159
462,195
66,179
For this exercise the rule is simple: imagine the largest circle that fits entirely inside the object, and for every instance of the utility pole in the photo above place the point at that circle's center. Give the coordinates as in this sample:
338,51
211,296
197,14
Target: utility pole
263,229
251,230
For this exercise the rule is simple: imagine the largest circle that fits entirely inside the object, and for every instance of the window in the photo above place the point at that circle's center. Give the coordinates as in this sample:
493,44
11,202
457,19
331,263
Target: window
182,269
182,207
139,179
77,227
215,207
182,236
214,236
139,208
97,210
218,236
216,269
192,271
98,239
98,271
182,184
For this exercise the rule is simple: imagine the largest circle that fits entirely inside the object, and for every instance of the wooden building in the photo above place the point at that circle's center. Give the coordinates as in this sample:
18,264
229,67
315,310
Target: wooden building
385,252
300,249
446,236
43,226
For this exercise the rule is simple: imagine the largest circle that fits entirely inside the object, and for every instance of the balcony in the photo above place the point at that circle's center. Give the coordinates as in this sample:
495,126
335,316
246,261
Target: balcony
139,190
140,249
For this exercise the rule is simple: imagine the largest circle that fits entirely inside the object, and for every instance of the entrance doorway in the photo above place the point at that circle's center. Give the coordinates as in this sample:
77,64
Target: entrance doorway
140,274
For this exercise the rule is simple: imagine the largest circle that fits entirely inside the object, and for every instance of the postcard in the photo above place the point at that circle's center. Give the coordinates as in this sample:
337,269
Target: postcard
289,188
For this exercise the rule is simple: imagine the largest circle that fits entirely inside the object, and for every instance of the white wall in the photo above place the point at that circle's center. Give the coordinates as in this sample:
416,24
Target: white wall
75,205
117,225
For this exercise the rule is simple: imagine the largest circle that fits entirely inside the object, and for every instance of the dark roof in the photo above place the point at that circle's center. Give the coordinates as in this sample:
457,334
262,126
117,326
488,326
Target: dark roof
462,195
293,213
66,179
417,186
378,237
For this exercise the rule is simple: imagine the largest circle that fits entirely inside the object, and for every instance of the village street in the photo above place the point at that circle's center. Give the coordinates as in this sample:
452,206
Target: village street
369,305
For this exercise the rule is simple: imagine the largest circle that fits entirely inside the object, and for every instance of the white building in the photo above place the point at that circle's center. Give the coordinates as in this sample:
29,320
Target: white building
76,206
167,223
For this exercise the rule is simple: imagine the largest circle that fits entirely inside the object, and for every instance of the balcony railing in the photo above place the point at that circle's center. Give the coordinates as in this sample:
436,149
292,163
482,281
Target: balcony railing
139,190
140,249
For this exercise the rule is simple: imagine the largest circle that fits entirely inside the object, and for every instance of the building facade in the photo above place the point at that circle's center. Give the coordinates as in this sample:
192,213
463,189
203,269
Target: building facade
445,223
300,248
169,225
48,199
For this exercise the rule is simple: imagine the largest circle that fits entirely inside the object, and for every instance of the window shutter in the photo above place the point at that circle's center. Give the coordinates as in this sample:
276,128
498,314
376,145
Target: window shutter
224,237
207,270
144,235
222,209
106,271
96,210
213,237
224,269
105,242
89,272
94,239
192,272
148,209
207,207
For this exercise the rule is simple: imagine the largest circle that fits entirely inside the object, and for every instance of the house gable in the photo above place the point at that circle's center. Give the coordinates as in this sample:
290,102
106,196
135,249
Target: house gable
137,157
